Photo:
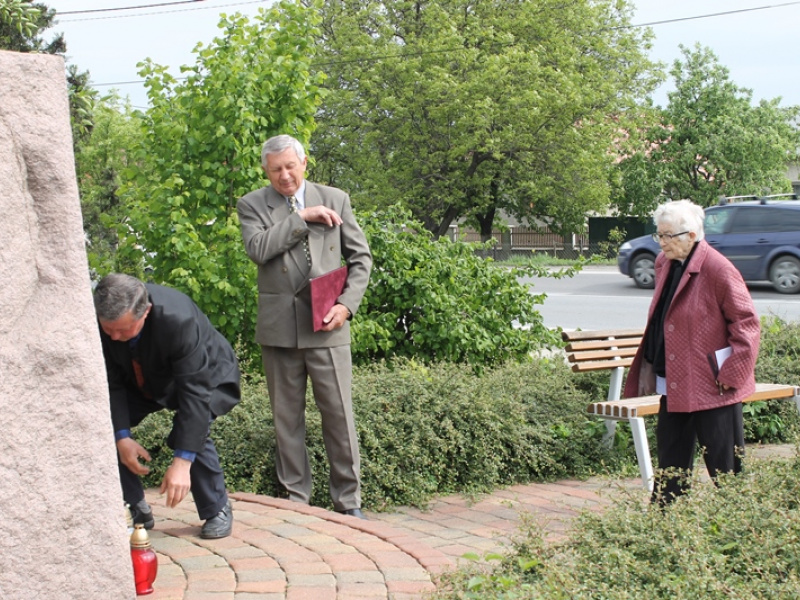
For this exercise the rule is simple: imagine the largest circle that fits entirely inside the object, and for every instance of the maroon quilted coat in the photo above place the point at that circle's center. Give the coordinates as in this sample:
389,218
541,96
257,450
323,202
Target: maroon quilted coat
711,309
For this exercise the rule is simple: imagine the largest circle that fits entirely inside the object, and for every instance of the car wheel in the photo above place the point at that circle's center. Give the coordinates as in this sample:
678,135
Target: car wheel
785,274
643,270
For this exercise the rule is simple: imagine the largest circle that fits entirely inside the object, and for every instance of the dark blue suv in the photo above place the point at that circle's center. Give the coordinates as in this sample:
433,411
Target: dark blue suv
761,237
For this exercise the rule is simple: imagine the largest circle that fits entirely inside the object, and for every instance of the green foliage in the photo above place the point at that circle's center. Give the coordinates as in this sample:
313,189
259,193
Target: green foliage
778,362
709,141
610,247
102,152
201,153
423,430
435,300
459,109
81,105
441,428
736,541
21,25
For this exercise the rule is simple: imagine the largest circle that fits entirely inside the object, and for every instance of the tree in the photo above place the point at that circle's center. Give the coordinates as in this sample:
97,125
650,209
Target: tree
102,153
201,152
461,108
710,141
437,301
21,24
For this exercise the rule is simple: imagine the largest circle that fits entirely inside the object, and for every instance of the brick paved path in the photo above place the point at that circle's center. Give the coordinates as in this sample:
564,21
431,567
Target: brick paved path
282,550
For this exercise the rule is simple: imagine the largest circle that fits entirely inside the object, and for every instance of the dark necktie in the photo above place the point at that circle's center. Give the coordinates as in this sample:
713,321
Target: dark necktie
293,205
137,371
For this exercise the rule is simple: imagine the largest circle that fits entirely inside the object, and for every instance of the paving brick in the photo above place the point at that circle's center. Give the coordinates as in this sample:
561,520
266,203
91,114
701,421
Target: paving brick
282,550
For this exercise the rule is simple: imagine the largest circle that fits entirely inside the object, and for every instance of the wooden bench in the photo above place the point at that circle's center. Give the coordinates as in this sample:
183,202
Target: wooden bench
613,350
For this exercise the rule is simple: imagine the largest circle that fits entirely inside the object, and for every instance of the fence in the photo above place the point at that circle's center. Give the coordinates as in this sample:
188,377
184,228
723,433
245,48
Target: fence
522,240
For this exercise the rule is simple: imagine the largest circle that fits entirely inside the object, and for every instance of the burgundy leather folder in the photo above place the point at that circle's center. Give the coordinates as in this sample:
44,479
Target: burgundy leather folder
325,290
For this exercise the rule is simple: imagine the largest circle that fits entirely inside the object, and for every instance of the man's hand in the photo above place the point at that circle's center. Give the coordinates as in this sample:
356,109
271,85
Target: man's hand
130,451
320,214
176,482
336,317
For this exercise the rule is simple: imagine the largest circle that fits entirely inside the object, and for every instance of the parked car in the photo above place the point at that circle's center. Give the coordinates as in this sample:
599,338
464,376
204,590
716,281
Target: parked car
760,236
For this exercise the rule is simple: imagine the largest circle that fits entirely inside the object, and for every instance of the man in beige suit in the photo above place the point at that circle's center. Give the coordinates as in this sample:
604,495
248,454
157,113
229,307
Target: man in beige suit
295,230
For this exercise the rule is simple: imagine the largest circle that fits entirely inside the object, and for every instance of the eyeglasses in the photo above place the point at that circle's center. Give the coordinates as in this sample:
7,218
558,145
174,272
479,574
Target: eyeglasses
668,237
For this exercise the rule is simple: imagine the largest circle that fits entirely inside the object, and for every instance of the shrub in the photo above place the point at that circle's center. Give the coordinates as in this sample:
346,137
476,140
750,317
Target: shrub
442,428
436,301
741,540
423,430
778,362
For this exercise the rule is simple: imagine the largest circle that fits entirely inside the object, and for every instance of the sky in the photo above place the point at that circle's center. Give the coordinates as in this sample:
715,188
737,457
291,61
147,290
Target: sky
755,40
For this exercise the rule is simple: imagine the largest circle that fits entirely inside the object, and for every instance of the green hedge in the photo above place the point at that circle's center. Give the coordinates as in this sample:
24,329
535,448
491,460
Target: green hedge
740,540
423,430
435,429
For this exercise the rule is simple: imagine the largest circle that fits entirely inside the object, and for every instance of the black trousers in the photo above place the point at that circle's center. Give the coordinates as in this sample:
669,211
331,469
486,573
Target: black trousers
206,476
720,433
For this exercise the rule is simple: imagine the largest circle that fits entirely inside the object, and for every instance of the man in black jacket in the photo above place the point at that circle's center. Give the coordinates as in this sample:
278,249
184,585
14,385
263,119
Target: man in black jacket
161,352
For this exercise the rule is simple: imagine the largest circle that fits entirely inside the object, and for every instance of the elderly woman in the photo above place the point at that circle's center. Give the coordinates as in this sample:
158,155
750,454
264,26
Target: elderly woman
701,315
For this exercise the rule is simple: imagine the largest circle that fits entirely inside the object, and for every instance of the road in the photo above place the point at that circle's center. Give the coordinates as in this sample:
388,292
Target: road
602,298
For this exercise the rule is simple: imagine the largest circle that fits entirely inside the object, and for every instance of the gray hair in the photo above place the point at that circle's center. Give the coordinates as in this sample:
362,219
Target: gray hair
118,294
279,143
684,215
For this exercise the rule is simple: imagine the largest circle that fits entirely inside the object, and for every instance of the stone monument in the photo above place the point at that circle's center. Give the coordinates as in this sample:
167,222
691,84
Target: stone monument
62,521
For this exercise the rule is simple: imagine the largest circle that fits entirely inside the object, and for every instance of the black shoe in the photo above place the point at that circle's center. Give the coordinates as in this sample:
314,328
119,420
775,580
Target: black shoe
219,526
141,513
353,512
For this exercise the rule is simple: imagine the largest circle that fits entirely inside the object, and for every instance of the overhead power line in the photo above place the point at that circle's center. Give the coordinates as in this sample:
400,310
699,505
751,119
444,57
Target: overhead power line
421,53
98,10
144,6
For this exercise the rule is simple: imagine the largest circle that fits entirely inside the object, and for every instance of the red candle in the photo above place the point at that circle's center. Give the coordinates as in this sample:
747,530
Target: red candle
145,561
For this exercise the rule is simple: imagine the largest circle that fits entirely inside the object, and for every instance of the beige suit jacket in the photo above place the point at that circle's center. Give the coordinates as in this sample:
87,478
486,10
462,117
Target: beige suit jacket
273,237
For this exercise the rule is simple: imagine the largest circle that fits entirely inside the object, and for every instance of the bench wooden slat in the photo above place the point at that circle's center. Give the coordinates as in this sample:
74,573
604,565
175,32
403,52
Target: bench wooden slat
643,406
609,350
603,344
570,336
580,367
602,355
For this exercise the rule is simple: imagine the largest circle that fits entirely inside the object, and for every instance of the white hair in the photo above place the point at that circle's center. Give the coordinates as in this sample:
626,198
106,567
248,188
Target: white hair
683,215
279,143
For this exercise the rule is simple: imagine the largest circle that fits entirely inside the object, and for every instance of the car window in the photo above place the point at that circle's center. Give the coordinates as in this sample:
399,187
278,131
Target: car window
788,219
765,219
717,219
754,219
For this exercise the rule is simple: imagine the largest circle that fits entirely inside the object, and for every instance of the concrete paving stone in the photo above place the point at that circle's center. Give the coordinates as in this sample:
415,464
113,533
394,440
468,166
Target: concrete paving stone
281,550
250,575
311,580
311,593
265,586
410,587
348,562
371,576
213,585
190,595
288,530
407,574
315,567
197,563
362,590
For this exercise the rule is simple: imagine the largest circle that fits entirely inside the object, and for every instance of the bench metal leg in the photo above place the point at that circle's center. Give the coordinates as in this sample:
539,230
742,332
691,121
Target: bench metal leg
614,391
642,451
611,431
796,399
